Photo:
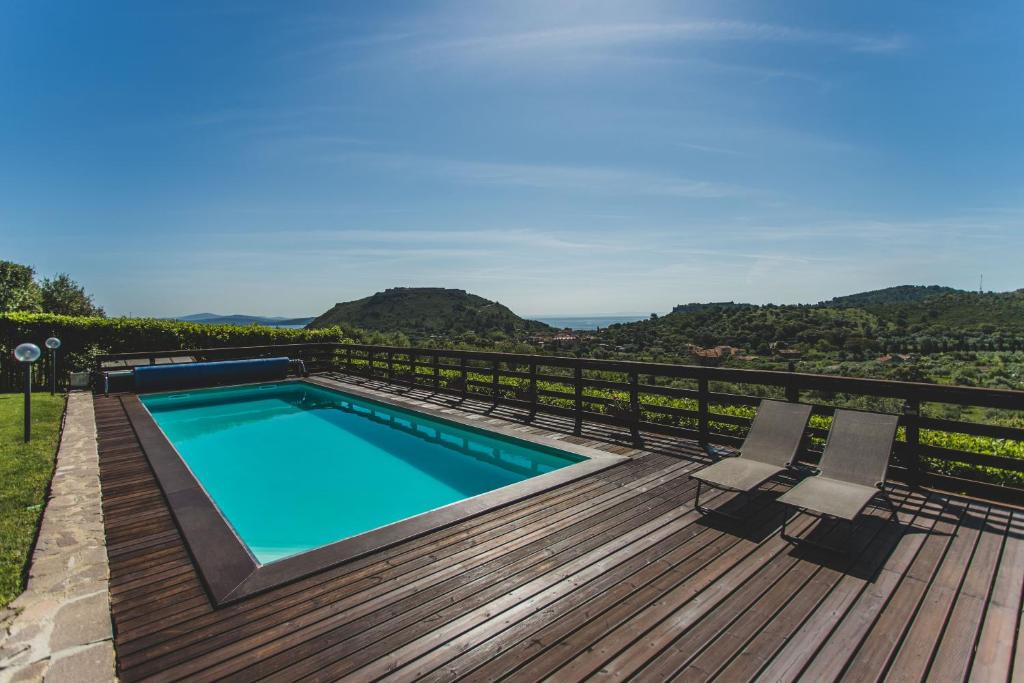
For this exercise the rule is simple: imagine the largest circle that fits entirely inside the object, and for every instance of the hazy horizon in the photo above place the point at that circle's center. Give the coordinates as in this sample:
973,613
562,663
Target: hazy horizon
539,316
564,159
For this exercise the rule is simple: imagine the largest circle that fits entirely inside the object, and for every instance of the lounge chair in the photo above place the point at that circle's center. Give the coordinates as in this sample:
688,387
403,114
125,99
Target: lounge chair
853,468
770,448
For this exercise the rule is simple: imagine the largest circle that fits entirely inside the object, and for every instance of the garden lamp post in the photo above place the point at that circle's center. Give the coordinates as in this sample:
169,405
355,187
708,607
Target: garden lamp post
28,354
53,344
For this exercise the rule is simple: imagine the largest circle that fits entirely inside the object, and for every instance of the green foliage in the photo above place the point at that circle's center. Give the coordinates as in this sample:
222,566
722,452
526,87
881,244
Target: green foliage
60,295
903,294
18,289
84,337
753,328
921,320
975,444
63,296
431,312
25,472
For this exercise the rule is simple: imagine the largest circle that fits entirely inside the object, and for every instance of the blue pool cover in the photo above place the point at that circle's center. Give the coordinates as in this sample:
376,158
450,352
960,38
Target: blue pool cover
184,375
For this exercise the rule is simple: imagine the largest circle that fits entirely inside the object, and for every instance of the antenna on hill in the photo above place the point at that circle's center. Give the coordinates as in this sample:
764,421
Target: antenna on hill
981,281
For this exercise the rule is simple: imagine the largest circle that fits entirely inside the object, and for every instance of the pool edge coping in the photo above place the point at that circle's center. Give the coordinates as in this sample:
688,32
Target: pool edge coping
228,570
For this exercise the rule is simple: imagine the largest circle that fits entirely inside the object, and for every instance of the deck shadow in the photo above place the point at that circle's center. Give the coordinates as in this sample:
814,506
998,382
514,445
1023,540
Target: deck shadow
754,518
871,542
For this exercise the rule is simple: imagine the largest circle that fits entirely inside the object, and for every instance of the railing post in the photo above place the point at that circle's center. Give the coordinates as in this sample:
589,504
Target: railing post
792,390
391,367
412,366
578,389
369,362
494,381
533,388
464,375
634,405
911,411
348,360
433,363
703,400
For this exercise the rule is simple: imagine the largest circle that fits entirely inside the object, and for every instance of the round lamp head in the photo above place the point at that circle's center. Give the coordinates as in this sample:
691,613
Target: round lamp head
53,343
27,353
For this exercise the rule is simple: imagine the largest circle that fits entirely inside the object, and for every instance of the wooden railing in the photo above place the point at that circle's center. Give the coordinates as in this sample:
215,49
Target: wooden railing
632,395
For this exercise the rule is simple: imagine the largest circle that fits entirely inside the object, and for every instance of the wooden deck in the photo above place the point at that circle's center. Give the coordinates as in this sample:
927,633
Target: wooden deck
611,577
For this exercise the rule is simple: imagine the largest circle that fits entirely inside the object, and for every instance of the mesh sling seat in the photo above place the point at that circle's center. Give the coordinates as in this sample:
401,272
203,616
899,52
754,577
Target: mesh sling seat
770,448
852,471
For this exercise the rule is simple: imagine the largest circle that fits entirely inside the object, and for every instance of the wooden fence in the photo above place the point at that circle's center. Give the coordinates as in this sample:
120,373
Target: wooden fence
634,396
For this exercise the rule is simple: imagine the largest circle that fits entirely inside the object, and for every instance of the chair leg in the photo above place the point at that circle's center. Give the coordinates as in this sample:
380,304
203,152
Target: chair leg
712,511
892,506
784,534
843,549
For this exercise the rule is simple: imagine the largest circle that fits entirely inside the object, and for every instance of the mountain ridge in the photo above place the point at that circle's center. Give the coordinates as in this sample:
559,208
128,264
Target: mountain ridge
892,319
242,319
428,311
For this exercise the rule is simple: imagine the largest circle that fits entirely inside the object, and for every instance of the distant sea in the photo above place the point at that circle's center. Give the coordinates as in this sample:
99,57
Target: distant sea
590,322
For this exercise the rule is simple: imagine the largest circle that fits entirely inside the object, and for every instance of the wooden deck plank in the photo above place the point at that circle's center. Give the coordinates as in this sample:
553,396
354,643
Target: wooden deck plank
315,632
763,648
556,642
532,597
585,650
404,623
699,653
694,545
815,633
479,551
914,657
956,650
406,559
486,605
850,631
885,635
608,577
734,655
712,643
626,650
993,658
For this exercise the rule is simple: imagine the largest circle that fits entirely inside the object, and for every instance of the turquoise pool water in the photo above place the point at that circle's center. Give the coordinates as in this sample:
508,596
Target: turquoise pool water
293,466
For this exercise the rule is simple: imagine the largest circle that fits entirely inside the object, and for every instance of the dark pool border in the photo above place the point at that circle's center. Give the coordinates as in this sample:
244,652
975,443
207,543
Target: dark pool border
229,570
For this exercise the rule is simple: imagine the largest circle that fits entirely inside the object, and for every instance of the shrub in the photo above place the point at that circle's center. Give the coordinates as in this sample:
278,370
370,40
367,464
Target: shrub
82,338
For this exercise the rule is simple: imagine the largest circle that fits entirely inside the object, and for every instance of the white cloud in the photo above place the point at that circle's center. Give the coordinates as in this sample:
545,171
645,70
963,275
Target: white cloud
611,35
558,177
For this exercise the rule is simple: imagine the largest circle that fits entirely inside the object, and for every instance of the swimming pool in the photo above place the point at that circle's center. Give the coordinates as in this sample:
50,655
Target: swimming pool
293,466
302,475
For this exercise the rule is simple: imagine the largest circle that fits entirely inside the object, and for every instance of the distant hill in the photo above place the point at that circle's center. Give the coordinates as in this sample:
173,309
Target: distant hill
958,312
903,294
907,318
238,319
427,311
714,306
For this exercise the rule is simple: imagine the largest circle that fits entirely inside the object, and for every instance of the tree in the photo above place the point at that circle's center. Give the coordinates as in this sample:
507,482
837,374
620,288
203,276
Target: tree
64,296
18,290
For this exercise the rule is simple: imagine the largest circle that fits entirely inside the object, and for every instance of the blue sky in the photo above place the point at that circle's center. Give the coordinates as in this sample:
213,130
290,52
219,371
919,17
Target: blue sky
560,157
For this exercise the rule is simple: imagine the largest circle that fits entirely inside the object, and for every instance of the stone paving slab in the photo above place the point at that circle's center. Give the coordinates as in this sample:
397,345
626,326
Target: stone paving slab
59,628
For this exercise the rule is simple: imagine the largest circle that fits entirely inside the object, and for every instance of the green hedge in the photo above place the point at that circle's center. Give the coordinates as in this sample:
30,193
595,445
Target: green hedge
84,337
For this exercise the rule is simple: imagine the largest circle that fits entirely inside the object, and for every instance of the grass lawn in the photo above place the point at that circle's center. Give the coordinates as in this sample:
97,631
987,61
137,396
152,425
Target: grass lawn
25,472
